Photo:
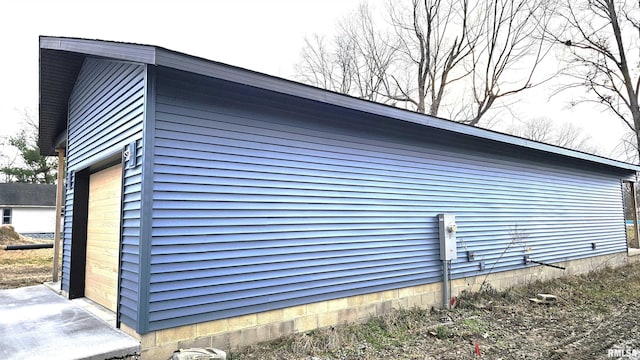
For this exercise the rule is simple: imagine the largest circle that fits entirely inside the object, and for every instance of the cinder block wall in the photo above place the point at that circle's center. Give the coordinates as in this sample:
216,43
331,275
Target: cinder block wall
507,279
250,329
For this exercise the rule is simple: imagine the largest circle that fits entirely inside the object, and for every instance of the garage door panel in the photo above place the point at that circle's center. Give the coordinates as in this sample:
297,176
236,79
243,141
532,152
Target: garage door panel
97,252
103,236
100,274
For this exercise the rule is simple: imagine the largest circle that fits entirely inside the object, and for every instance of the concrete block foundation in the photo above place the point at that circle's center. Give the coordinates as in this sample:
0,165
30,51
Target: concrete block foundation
250,329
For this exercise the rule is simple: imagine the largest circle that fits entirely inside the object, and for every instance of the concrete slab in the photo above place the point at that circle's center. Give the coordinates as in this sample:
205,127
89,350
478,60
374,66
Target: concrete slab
35,323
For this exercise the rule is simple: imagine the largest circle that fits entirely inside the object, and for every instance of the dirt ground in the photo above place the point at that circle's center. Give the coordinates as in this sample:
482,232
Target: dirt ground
20,268
595,314
25,267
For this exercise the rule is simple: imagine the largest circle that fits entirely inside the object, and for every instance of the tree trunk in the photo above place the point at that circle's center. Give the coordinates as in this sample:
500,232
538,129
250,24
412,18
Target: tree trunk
624,68
421,95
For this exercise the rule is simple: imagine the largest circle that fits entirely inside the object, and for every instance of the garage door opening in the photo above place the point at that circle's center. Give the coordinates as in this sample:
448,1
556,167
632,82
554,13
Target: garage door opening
103,237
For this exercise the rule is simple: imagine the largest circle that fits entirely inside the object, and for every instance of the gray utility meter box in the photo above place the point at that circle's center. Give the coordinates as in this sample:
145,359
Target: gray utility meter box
448,228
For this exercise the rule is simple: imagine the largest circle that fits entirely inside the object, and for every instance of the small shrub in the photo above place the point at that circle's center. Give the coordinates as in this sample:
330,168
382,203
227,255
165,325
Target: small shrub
442,332
473,325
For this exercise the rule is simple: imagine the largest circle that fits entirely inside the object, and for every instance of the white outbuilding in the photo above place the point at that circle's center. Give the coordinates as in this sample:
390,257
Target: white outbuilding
29,208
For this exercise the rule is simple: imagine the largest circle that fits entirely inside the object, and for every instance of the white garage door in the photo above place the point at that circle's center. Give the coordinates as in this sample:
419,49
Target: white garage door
103,236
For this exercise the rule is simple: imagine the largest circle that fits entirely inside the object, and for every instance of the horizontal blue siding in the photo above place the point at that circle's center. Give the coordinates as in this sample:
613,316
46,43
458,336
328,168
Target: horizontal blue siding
226,239
105,114
131,234
66,239
105,111
262,202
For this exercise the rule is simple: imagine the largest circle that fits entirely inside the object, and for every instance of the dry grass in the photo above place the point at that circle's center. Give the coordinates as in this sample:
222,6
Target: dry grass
20,268
25,267
349,341
595,312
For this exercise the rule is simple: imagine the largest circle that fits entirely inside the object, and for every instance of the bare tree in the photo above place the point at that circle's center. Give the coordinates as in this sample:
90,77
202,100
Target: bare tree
602,38
356,62
434,41
439,52
627,149
538,129
509,51
320,67
566,135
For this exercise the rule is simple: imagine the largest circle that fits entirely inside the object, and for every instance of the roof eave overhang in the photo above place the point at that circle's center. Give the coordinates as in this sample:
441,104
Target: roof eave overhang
112,50
60,63
153,55
210,68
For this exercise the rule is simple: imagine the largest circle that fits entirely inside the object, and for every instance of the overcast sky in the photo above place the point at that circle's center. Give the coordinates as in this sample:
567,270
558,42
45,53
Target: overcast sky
264,36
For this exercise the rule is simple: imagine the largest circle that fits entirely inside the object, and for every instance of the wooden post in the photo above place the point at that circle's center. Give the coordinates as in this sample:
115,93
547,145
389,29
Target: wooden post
59,192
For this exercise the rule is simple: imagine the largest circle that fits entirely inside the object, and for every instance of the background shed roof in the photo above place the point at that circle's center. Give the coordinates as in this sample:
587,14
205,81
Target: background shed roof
18,194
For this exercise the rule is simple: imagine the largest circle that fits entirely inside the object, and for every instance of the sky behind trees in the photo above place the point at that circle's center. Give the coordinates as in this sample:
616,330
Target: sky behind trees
262,36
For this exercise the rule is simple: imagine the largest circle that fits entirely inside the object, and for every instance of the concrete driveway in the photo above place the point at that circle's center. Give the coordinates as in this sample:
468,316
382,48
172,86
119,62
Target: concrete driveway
35,323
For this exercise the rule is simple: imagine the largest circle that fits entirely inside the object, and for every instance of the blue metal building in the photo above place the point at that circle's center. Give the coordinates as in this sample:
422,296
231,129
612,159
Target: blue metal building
240,193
